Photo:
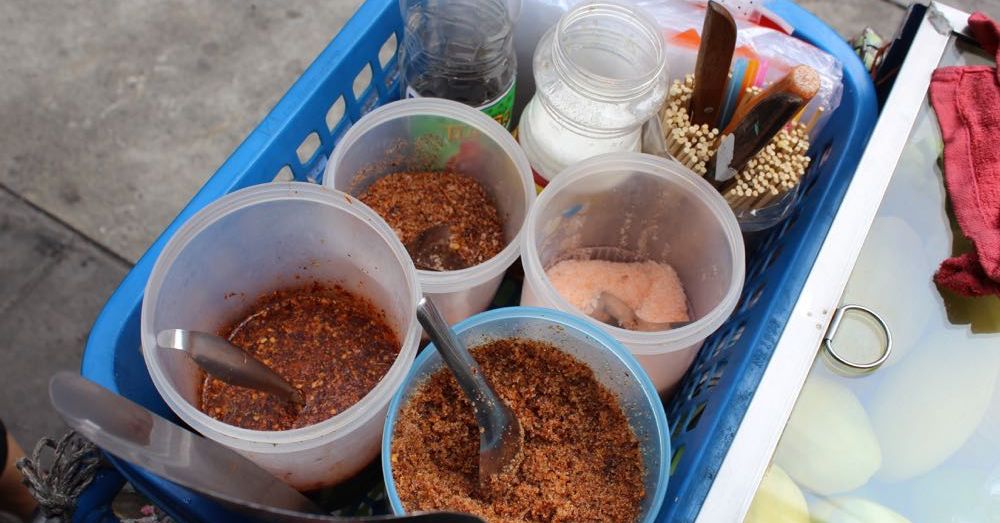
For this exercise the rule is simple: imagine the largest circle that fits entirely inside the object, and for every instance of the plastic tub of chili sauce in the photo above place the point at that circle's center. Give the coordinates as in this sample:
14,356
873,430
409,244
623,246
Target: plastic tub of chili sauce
429,134
613,367
629,207
261,239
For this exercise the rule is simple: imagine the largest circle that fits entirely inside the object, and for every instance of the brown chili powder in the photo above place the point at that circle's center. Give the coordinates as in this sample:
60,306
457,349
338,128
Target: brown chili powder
581,459
330,343
413,202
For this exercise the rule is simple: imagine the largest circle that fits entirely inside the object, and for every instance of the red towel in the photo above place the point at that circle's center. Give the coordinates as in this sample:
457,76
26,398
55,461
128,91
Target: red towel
967,103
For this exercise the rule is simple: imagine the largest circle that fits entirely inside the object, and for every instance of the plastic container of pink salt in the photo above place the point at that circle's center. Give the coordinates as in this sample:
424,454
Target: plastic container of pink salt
638,208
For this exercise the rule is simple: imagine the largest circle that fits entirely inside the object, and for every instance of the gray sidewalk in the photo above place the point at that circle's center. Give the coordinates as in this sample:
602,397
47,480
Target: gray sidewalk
114,113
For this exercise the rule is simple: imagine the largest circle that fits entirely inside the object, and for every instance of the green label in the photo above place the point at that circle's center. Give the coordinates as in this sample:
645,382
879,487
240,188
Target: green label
501,109
439,142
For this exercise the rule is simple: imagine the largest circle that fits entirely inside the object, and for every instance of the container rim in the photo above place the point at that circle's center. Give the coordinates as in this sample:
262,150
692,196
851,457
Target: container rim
566,320
435,282
266,442
644,343
582,78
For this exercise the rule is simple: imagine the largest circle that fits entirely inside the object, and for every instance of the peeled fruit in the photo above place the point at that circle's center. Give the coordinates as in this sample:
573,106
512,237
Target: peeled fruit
828,446
925,409
853,510
778,500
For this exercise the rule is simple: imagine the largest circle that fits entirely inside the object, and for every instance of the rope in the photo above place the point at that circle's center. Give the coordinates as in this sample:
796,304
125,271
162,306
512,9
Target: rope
74,464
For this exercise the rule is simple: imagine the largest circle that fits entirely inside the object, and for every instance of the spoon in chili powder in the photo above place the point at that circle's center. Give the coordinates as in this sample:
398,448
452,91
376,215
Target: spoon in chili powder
501,436
431,250
229,363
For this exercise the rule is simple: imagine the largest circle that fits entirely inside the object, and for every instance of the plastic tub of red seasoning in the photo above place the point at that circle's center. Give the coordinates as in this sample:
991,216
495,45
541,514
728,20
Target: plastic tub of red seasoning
255,241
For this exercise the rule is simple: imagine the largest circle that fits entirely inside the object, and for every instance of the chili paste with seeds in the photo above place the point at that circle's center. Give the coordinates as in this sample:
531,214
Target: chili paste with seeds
331,344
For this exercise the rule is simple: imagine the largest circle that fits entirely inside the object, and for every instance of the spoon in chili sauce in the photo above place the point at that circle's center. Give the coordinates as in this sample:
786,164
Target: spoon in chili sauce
229,363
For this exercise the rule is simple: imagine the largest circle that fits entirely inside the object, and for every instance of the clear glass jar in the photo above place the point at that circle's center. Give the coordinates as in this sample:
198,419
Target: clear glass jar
600,73
461,50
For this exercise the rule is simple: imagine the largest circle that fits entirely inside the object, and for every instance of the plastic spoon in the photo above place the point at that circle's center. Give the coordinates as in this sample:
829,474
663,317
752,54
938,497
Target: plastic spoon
501,436
223,360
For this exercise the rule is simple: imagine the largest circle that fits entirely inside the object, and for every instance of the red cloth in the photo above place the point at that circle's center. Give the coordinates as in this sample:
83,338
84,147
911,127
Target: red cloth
967,103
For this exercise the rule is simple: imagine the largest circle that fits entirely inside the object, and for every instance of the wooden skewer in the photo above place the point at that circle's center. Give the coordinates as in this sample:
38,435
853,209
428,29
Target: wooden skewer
813,120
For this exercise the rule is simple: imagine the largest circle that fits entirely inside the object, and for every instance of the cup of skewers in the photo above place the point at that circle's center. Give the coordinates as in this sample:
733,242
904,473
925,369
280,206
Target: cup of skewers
748,138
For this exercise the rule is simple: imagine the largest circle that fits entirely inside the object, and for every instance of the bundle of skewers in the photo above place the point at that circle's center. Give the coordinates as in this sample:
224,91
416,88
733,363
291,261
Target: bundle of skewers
748,139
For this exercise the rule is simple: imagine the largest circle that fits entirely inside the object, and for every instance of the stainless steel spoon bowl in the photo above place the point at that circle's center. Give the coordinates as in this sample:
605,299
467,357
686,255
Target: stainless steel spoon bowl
501,436
231,364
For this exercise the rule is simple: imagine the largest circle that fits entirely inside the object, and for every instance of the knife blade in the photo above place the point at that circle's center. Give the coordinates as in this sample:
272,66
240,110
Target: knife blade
134,434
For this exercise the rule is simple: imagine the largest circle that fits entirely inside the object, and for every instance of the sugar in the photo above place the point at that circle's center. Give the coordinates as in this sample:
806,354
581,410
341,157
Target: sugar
653,290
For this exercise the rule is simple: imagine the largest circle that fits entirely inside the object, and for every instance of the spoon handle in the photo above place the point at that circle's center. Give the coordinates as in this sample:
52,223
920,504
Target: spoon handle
223,360
463,366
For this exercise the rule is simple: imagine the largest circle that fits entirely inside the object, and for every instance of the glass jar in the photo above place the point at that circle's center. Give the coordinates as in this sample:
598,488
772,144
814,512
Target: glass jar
600,73
461,50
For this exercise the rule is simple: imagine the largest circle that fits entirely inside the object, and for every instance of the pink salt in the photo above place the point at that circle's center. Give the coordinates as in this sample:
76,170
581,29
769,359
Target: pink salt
651,289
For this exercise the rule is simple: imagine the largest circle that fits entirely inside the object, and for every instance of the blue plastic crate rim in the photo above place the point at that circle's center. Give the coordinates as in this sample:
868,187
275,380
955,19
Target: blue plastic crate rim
348,79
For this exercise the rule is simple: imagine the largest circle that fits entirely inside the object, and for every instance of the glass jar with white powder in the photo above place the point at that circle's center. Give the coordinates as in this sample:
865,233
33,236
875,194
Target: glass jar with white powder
600,73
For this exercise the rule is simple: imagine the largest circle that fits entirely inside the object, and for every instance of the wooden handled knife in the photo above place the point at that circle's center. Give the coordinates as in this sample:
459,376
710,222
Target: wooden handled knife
711,71
802,81
752,133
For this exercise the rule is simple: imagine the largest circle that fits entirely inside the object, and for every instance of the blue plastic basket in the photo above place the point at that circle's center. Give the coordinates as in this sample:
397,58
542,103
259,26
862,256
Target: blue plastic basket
714,396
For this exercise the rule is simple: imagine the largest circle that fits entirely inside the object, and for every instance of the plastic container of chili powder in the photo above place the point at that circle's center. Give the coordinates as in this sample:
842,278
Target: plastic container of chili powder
613,367
265,238
430,134
628,207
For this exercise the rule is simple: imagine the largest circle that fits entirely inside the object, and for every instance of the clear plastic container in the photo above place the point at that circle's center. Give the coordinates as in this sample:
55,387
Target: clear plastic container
611,363
461,50
632,207
426,134
600,73
258,240
774,213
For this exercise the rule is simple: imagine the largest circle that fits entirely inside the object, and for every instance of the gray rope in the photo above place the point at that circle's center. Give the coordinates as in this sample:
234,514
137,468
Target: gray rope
73,466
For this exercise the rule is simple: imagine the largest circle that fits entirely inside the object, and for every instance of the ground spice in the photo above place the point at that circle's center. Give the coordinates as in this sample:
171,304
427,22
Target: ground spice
415,202
330,343
653,290
581,459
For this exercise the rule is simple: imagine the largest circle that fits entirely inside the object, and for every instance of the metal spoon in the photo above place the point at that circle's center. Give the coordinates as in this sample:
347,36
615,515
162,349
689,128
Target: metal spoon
223,360
626,318
136,435
431,250
501,436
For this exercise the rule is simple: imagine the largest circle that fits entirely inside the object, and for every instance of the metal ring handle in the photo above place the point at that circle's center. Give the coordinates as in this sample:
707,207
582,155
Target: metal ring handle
838,317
